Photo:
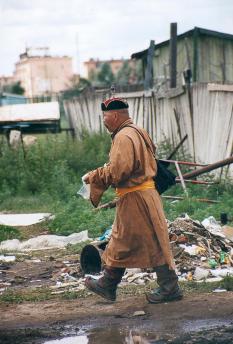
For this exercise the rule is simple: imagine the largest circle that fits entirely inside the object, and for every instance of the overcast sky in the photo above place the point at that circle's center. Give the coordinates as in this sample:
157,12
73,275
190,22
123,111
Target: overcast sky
101,29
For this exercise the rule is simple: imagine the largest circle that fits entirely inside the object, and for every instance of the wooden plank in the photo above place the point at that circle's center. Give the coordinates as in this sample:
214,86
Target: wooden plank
219,88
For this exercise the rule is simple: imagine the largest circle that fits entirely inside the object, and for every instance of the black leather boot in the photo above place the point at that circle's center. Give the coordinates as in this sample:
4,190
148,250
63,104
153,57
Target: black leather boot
106,286
168,290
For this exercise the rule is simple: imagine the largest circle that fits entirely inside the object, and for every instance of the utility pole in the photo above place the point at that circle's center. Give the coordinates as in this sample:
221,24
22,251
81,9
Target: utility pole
77,53
173,54
148,82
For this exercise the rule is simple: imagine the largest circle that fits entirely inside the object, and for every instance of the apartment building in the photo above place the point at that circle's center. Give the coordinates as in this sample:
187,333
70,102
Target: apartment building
42,74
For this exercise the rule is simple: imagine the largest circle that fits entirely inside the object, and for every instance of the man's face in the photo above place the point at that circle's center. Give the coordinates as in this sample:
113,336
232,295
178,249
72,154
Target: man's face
110,120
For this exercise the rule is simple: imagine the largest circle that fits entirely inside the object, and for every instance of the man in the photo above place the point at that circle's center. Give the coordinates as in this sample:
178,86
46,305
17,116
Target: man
139,236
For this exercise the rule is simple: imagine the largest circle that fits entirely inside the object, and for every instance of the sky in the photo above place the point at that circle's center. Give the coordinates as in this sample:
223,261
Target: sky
102,29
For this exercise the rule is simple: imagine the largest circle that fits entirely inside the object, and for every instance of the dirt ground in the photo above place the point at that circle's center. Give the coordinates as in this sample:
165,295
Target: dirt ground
196,312
207,307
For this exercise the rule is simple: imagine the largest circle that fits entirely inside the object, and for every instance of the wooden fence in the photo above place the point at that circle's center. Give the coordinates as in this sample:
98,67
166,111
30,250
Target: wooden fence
204,112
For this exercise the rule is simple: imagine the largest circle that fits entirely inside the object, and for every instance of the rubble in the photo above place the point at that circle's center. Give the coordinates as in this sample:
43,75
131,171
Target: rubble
202,252
205,248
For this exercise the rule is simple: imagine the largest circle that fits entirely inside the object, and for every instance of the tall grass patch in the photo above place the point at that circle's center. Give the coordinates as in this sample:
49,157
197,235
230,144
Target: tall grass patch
46,177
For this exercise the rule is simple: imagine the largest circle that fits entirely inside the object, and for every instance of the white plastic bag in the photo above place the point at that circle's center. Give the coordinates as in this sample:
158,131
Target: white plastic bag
84,191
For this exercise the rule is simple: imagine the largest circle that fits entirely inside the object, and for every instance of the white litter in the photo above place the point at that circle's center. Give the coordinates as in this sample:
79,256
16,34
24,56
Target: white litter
23,219
42,242
200,274
191,250
222,272
213,227
219,290
7,259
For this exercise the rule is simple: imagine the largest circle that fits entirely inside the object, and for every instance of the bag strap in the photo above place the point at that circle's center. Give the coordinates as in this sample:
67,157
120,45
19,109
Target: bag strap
147,144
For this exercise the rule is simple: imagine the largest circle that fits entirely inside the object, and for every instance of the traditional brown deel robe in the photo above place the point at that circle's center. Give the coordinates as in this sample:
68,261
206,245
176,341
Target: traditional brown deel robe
139,236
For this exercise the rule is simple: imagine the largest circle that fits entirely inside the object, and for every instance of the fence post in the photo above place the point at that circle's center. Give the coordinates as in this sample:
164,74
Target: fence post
173,54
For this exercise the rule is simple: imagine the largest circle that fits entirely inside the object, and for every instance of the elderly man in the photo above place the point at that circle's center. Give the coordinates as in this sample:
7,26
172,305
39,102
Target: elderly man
139,236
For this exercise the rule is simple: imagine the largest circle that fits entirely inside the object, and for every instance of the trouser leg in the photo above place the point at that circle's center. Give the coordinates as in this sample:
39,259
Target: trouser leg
169,289
106,285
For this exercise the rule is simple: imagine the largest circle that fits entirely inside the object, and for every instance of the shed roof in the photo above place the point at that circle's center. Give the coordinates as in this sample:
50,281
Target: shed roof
198,30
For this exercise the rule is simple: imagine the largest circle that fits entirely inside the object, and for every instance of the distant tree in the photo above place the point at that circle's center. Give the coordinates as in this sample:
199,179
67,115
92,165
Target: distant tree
139,72
123,76
14,88
82,84
105,75
77,85
93,76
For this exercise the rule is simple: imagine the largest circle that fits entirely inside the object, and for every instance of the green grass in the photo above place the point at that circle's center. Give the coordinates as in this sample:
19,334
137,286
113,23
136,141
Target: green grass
227,283
7,232
30,295
48,179
44,294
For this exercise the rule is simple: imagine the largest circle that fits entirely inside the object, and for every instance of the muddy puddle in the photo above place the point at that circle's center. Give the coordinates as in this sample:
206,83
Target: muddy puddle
201,332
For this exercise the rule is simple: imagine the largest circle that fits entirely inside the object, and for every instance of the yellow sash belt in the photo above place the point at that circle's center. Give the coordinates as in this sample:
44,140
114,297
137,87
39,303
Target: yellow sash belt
148,184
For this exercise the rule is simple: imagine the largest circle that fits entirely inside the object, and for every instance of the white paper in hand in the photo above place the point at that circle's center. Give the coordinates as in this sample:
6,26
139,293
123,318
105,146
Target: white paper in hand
84,191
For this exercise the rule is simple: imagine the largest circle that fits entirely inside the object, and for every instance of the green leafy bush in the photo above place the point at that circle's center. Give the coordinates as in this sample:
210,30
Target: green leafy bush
47,177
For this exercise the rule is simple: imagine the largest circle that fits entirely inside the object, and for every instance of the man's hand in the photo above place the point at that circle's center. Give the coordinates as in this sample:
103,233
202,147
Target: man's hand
86,179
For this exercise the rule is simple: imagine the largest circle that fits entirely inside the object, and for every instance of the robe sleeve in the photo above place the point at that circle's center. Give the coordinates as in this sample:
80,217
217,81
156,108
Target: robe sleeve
120,167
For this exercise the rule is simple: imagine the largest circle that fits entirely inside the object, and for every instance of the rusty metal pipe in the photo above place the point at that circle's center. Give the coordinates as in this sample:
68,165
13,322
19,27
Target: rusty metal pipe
195,181
196,199
208,168
183,162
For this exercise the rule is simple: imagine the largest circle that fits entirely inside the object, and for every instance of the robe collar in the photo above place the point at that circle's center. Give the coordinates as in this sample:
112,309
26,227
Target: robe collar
124,124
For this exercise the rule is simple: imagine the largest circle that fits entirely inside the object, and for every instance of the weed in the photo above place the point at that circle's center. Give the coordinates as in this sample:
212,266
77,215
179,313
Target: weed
227,283
48,179
7,232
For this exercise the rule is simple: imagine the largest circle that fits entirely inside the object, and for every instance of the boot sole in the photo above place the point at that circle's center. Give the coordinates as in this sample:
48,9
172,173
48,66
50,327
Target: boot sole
98,292
177,298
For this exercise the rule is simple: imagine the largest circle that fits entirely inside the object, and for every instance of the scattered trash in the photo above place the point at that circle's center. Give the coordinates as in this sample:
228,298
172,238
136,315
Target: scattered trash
212,263
138,313
42,242
204,248
228,232
213,227
200,274
201,252
222,272
24,219
7,259
107,234
219,290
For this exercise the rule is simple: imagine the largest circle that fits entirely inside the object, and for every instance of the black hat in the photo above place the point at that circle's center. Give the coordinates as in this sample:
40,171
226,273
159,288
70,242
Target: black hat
114,104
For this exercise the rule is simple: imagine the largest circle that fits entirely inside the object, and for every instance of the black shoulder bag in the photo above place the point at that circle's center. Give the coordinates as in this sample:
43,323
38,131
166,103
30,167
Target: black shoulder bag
164,178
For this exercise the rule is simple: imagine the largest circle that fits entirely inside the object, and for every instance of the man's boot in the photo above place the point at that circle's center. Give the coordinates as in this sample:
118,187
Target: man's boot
168,290
106,286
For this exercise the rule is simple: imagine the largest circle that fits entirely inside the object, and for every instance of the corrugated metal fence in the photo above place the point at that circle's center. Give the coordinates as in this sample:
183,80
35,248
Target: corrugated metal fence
204,113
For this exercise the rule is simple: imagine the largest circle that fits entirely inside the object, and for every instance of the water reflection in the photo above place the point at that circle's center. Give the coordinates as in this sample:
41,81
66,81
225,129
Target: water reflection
186,332
116,336
135,338
70,340
106,336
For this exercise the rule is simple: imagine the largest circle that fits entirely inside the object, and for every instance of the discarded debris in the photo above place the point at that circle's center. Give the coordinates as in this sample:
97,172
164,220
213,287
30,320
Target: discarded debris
43,242
7,259
201,252
138,313
23,219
